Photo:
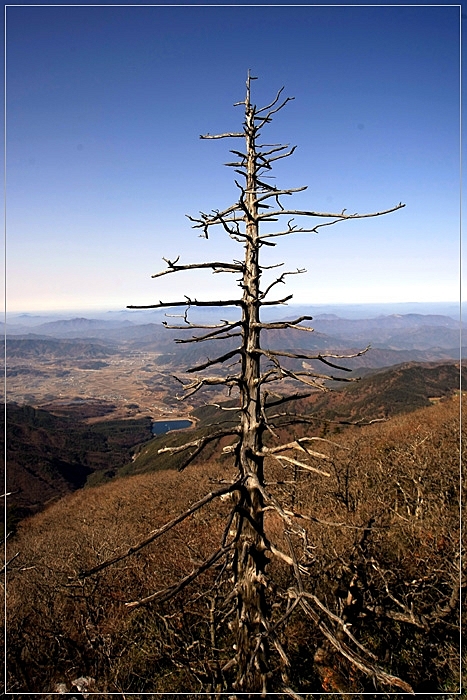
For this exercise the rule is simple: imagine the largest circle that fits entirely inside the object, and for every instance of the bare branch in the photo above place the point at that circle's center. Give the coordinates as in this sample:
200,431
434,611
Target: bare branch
337,217
200,442
408,617
228,135
281,325
320,357
241,155
198,383
354,658
277,301
267,118
280,280
299,418
4,567
285,399
189,302
289,230
323,358
313,519
277,552
269,498
216,361
266,186
303,356
222,326
211,219
208,337
302,465
275,101
303,376
274,149
268,161
278,193
271,267
168,593
299,444
216,217
228,488
219,333
224,408
264,416
216,266
340,622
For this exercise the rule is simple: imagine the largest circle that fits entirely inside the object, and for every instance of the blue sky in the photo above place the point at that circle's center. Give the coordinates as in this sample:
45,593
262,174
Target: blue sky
105,106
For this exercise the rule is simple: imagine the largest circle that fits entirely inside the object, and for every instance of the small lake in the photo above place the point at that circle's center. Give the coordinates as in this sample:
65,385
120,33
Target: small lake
159,427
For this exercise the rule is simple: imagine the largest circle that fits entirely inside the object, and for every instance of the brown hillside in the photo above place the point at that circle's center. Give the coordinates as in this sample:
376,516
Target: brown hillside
49,456
386,517
389,391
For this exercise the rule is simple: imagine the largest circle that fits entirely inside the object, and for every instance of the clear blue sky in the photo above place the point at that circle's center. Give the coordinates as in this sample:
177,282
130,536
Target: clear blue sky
105,106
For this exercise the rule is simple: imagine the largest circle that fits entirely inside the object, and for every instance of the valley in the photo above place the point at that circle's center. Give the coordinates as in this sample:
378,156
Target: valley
124,368
125,384
102,383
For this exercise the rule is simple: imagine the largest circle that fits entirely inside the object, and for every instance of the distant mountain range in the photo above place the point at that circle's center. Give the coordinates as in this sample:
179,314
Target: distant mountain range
205,314
41,347
394,338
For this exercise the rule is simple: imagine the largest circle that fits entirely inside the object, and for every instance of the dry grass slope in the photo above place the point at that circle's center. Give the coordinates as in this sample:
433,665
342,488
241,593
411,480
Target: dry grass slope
384,526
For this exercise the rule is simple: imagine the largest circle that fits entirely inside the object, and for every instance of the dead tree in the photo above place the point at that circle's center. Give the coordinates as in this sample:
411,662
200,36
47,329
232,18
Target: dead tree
245,547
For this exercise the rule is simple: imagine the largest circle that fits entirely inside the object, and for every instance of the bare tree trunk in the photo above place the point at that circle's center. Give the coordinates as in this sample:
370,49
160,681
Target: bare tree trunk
252,661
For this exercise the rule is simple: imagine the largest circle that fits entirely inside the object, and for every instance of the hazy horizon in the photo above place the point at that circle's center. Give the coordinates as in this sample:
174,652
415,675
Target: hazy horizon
346,308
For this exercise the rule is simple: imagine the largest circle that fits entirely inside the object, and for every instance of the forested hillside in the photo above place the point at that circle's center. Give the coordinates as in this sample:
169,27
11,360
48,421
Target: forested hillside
391,390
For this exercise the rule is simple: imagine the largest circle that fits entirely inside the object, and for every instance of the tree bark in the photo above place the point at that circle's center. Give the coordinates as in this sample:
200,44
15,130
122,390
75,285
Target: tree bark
251,648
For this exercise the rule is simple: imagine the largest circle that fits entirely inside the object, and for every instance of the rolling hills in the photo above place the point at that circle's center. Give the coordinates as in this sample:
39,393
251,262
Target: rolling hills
390,391
49,454
379,395
65,365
